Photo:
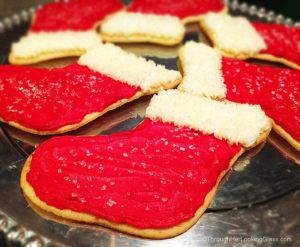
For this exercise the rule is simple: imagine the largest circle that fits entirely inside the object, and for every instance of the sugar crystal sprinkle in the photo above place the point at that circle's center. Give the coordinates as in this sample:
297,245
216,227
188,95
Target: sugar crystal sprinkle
110,202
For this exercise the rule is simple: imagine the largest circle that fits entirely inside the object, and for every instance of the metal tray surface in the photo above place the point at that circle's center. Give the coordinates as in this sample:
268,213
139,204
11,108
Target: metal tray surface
257,202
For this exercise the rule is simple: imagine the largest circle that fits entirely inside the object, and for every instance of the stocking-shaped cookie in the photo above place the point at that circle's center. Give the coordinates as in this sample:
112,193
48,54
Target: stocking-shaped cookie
276,90
186,10
127,27
153,181
63,29
239,38
50,101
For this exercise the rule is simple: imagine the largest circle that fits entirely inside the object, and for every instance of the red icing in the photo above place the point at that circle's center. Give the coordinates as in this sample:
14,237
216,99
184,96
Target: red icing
179,8
282,41
276,90
154,176
76,15
47,99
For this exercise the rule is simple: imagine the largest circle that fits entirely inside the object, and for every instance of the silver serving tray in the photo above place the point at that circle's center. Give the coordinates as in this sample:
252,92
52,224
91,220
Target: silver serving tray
257,202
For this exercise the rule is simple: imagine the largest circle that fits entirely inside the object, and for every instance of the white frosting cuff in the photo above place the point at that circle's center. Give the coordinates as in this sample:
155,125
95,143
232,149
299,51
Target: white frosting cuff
120,65
233,35
202,70
237,123
35,44
158,26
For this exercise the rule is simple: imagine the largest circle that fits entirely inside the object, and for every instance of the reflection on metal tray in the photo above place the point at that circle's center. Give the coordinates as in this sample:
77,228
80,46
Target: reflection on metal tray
252,200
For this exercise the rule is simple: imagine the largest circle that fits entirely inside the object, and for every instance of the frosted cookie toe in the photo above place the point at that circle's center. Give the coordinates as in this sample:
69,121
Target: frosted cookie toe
58,30
127,27
126,181
276,90
51,101
283,43
186,10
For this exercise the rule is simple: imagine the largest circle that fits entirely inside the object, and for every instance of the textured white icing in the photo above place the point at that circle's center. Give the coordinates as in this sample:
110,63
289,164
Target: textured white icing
237,123
161,26
111,60
202,70
234,35
34,44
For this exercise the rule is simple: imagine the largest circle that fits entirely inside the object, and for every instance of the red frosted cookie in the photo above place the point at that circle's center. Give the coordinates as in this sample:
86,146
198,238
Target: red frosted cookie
154,181
283,43
186,10
276,90
76,15
237,37
49,101
63,29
